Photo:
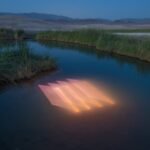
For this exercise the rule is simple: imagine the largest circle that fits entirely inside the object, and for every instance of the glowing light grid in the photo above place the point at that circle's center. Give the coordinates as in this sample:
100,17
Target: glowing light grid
76,95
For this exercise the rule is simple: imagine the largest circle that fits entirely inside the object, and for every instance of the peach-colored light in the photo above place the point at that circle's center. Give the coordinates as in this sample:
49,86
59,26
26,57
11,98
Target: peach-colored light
95,93
75,95
86,93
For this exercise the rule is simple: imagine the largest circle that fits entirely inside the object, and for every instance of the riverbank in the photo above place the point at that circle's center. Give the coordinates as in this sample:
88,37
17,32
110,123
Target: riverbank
9,34
103,41
20,63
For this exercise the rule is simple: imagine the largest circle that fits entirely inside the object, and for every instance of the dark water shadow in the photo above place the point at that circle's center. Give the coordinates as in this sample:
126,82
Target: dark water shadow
141,66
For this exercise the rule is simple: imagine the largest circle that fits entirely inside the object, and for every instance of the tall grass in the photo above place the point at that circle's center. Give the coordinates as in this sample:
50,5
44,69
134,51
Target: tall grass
21,63
102,40
9,34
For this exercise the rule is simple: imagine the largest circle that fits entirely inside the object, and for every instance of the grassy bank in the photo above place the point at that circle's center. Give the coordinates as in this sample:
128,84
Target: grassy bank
20,63
9,34
102,40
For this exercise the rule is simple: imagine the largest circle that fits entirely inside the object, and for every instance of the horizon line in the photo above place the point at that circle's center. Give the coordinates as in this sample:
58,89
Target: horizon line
47,13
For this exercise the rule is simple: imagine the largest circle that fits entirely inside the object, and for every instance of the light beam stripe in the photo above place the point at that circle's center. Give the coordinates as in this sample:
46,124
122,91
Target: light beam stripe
86,93
76,94
62,95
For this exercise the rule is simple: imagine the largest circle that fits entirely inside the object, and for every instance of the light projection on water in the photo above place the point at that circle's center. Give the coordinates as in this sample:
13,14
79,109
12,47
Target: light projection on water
76,95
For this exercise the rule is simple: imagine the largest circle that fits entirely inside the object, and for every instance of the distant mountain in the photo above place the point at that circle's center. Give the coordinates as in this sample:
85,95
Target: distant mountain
52,17
55,18
91,21
37,16
42,22
134,20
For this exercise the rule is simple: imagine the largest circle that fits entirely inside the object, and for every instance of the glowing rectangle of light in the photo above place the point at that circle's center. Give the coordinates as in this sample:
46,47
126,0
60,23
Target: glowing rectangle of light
75,95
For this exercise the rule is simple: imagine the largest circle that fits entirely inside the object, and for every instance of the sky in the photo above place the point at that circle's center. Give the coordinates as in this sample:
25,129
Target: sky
108,9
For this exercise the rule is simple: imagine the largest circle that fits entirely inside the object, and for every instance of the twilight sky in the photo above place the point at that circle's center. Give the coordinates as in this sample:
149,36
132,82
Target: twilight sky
110,9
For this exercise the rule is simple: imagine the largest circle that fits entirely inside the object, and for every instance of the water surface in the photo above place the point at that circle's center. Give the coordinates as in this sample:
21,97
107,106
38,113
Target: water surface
29,121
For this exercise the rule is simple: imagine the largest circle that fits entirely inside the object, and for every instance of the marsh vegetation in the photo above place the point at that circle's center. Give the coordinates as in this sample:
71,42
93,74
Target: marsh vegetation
8,34
102,40
20,63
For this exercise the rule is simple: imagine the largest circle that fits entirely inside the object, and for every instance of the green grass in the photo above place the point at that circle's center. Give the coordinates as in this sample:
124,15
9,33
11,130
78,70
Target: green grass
102,40
9,34
21,63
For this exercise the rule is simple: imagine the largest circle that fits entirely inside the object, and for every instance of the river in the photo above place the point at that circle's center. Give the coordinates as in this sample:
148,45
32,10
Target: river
29,121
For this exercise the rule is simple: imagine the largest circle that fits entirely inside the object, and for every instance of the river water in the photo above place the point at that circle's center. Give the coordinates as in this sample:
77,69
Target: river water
28,121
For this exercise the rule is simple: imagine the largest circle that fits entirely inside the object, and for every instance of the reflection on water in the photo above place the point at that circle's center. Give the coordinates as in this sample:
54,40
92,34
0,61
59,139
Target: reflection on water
5,45
75,95
29,120
141,66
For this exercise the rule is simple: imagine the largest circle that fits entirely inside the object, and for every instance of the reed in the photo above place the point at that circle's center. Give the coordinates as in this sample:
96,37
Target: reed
20,63
102,40
9,34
